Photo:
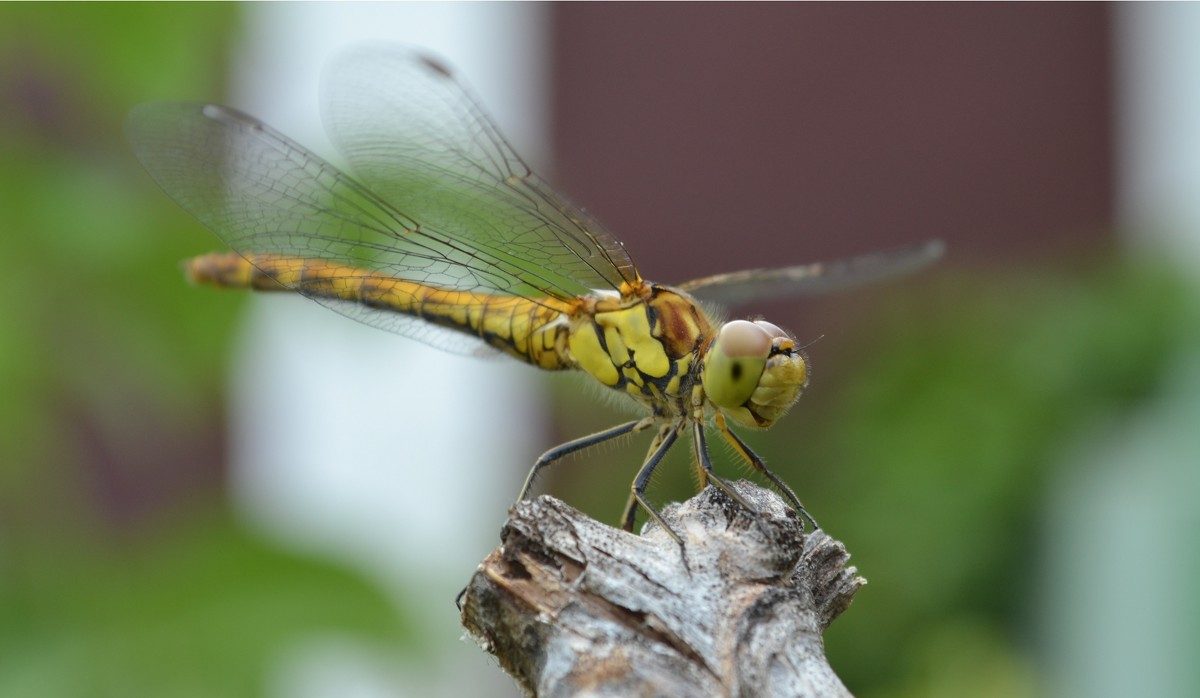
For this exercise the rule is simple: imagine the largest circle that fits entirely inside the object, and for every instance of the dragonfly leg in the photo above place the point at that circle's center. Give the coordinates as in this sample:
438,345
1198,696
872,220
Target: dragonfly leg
701,447
743,448
579,444
630,512
662,443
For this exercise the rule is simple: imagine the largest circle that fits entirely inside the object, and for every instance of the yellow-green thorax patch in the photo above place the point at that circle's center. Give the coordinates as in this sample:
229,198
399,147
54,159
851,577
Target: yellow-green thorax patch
644,346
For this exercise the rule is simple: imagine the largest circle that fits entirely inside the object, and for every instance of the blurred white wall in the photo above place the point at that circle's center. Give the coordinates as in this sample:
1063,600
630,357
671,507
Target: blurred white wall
1120,613
360,447
1157,68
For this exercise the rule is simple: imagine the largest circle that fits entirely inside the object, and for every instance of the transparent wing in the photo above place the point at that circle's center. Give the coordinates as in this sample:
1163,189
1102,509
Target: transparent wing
418,138
736,288
442,199
263,193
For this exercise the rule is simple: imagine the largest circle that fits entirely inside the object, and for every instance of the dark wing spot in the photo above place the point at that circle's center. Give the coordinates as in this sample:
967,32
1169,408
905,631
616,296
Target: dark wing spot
736,371
436,66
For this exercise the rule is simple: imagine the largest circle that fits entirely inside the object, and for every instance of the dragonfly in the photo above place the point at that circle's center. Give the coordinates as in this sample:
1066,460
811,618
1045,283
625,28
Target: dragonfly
445,235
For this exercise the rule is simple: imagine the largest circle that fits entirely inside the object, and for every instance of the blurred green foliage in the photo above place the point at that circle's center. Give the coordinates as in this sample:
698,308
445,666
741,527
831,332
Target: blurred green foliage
939,450
92,317
196,608
121,573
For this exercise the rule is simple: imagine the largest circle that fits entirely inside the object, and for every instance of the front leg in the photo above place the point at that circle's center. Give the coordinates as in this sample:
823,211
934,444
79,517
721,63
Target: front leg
743,448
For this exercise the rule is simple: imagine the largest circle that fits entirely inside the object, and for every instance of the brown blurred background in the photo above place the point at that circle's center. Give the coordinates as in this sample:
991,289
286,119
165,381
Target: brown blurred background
808,131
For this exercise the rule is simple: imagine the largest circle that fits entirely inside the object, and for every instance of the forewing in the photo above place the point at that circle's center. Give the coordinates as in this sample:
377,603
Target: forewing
737,288
264,194
419,139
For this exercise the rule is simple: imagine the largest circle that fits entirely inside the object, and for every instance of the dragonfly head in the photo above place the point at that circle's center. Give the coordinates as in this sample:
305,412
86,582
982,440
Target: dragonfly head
753,372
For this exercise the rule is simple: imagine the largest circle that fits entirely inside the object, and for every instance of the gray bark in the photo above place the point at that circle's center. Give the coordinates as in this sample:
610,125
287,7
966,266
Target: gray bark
572,607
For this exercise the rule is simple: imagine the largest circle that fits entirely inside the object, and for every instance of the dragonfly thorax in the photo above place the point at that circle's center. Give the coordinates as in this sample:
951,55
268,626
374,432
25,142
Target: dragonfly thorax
753,372
644,344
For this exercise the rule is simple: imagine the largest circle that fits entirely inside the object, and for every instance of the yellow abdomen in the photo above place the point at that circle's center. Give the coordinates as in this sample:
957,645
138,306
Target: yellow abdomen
534,331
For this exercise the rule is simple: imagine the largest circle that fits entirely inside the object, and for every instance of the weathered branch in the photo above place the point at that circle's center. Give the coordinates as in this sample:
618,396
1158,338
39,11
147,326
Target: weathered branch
571,606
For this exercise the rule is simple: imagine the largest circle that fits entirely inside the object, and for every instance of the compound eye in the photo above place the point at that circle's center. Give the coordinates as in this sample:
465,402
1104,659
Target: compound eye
773,330
735,362
782,341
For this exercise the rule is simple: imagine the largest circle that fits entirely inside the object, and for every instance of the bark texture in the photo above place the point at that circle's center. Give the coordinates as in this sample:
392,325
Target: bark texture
573,607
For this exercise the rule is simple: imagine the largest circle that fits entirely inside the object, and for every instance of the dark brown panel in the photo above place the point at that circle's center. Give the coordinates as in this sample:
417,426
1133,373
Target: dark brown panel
773,133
